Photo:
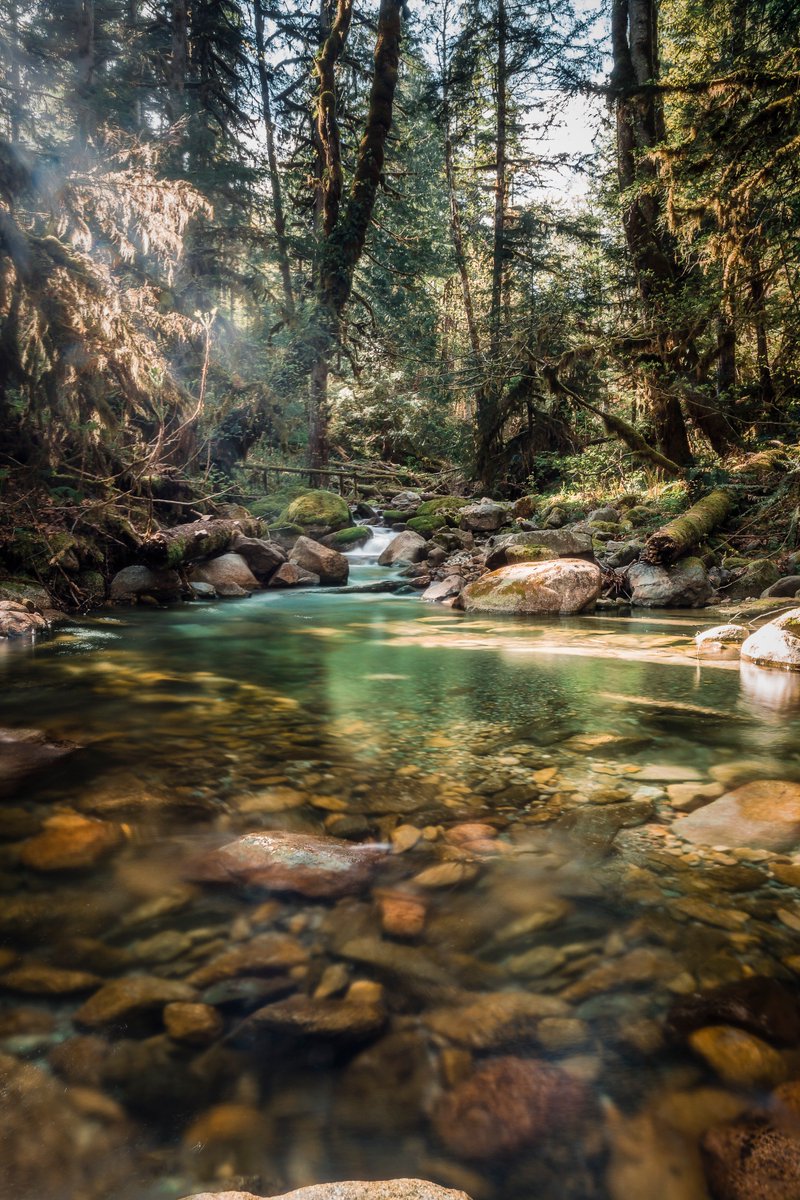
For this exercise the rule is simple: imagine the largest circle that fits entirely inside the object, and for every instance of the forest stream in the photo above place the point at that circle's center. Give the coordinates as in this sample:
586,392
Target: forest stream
527,902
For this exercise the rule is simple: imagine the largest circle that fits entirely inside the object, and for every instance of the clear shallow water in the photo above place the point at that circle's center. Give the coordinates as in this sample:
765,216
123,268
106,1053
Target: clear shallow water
353,714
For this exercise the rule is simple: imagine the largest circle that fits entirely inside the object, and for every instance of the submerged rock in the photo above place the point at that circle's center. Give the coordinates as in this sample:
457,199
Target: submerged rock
122,999
508,1104
70,842
776,644
723,641
563,586
331,566
25,752
304,1016
443,589
292,862
752,1159
739,1058
407,547
761,1005
764,814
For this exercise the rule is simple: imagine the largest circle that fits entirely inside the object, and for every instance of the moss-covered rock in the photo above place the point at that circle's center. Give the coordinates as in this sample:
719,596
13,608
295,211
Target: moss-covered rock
757,577
528,553
446,508
93,585
25,590
355,535
426,526
318,512
394,516
638,514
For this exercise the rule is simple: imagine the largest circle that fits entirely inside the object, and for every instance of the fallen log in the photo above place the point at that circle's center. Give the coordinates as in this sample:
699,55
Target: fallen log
197,540
678,537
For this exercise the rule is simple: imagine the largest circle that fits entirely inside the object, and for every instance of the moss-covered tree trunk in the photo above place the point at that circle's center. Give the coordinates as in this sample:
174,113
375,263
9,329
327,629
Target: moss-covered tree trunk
197,540
680,536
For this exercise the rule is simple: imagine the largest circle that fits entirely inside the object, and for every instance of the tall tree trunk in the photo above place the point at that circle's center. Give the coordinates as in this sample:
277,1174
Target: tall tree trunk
338,253
766,388
179,57
15,106
278,214
726,361
85,65
489,426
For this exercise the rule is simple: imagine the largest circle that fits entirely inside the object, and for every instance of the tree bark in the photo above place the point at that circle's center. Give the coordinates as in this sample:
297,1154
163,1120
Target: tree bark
278,213
197,540
680,536
179,57
85,66
456,232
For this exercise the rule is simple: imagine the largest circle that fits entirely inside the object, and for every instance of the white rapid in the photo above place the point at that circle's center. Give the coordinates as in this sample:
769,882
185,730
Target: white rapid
372,549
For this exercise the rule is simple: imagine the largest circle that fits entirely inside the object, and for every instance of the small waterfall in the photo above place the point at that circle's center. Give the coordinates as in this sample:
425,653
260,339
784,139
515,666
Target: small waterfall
372,549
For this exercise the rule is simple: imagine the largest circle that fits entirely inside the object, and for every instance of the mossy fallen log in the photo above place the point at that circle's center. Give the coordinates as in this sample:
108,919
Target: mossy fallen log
680,536
195,541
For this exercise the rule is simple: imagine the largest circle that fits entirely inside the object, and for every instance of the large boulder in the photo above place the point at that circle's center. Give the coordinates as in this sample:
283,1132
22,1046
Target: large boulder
539,544
407,547
229,575
757,577
262,557
331,566
282,861
776,644
317,513
20,620
484,517
132,582
762,815
563,586
787,585
389,1189
405,502
685,584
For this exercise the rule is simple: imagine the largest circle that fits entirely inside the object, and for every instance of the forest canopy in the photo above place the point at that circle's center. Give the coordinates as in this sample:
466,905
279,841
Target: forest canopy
235,232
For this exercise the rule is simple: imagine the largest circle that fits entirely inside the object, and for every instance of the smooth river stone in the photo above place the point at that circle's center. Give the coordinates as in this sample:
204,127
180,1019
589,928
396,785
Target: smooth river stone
563,586
764,814
508,1104
282,861
389,1189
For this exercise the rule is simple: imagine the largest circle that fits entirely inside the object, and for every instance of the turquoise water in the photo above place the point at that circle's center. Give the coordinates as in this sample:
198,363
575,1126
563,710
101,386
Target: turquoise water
381,711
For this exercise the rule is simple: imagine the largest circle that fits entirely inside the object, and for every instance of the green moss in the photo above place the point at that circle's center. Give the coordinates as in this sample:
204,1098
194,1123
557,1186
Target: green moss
92,585
318,510
425,526
25,589
356,535
446,508
528,553
609,527
393,516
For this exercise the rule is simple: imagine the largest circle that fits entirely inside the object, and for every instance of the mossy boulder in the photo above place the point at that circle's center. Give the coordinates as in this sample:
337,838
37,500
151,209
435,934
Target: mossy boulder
446,508
426,526
318,513
564,586
394,516
758,576
26,591
528,553
355,535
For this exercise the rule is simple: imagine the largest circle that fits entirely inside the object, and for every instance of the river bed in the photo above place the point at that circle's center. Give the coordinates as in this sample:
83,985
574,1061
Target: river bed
517,777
